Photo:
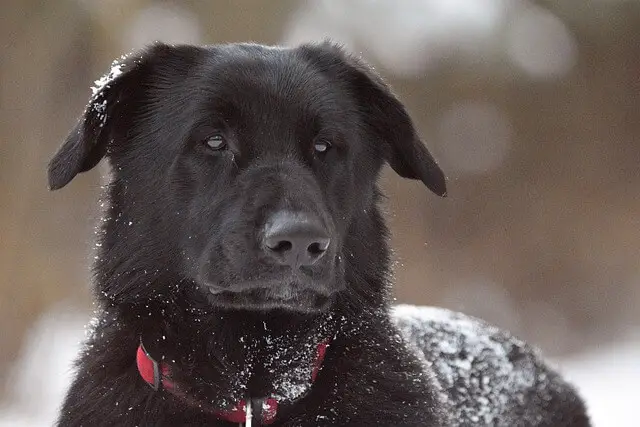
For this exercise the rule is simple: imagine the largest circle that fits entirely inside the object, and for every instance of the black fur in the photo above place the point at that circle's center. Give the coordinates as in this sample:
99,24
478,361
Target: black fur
183,219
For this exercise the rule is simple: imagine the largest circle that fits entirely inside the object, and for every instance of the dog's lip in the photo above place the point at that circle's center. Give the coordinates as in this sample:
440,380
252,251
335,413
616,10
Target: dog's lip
287,284
286,292
280,295
262,298
274,294
215,290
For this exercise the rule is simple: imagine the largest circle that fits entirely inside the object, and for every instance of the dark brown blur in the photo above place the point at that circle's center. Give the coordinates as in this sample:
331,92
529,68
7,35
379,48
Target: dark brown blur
531,108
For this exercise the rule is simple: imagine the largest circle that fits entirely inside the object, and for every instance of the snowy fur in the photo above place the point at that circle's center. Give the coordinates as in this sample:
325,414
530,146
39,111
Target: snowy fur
490,377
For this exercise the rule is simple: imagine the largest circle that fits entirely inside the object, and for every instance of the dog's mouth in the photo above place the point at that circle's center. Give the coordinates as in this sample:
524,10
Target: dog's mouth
289,296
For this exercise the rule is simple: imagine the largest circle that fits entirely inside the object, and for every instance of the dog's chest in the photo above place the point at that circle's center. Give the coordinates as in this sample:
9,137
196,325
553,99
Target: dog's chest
276,369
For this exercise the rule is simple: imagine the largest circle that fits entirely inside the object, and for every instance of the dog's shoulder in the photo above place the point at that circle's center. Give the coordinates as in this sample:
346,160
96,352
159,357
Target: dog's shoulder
490,376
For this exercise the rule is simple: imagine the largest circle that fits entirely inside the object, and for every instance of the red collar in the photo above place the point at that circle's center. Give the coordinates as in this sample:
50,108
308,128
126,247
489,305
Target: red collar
264,411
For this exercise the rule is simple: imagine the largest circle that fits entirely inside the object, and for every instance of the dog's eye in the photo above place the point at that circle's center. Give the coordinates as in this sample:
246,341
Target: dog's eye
216,142
321,146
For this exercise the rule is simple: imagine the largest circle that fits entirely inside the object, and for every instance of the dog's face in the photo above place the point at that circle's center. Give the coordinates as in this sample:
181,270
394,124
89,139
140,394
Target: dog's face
242,168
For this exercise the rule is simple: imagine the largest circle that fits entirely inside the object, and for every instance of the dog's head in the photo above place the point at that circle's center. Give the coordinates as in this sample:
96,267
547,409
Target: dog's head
242,170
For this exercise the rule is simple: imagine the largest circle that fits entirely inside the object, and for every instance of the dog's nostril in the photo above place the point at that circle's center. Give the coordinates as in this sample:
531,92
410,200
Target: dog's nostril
317,248
279,246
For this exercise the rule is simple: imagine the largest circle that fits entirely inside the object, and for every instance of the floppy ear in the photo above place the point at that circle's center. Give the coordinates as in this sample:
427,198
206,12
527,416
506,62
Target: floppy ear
114,95
386,115
87,142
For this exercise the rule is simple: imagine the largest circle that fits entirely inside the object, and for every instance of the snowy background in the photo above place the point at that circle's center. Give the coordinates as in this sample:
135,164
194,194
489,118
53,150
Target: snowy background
530,106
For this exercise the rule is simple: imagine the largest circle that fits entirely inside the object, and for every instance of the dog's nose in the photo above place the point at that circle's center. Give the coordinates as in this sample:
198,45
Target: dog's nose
295,239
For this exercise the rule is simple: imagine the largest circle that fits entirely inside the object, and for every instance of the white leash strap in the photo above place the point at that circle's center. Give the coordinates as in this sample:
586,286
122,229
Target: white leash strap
249,411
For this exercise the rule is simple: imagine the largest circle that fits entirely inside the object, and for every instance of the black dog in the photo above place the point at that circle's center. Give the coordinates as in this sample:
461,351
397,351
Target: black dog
242,265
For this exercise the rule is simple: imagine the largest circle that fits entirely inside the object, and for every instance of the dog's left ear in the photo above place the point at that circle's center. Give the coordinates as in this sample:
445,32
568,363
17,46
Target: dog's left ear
406,153
385,114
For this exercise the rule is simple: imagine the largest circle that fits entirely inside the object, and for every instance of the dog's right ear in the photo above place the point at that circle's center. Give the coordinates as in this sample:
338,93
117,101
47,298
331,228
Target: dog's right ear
87,142
113,95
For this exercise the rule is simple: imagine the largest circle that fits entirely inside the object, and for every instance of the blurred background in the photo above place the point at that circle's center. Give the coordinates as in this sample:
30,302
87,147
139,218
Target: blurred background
531,107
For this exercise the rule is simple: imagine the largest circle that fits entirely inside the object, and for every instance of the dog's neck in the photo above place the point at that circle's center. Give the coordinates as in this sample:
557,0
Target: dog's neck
227,356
